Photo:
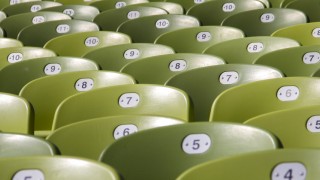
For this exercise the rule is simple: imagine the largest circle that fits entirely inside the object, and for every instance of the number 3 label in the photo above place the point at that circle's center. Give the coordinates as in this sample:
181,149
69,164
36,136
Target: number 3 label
196,143
289,171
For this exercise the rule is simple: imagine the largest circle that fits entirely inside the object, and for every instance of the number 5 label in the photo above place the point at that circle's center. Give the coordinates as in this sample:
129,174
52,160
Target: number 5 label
196,143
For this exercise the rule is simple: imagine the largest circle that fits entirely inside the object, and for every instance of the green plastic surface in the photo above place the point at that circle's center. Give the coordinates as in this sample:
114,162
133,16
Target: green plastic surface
309,7
5,3
9,42
31,6
186,4
115,4
170,7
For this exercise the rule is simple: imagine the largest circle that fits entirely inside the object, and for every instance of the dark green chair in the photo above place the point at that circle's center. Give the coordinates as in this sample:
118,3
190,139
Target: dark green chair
5,3
309,7
2,16
31,6
115,4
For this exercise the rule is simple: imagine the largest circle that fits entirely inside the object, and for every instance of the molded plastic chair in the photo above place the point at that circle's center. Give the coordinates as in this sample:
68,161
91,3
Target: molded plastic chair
214,12
183,40
187,4
170,7
247,50
2,16
39,34
165,152
132,99
97,134
159,69
309,7
272,164
111,19
296,61
147,29
14,24
78,44
114,58
115,4
263,22
276,3
55,167
78,2
241,103
9,42
15,76
203,85
5,3
32,6
45,94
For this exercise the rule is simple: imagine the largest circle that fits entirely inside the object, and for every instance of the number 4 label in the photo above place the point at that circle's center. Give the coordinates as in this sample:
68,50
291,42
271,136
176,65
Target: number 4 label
289,171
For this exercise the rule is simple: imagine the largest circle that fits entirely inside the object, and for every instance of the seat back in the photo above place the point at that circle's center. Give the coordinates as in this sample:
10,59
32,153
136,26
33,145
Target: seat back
170,7
73,2
31,6
2,16
6,3
187,4
115,4
309,7
9,42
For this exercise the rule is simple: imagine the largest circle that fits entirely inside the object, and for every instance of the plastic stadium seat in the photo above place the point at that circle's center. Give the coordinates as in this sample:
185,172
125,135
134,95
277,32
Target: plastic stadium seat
296,61
272,164
15,76
5,3
16,54
187,4
115,4
203,85
249,49
111,19
14,24
56,167
306,34
61,86
25,7
39,34
78,44
77,2
2,16
114,58
165,152
309,7
159,69
97,134
9,42
276,3
214,12
263,22
147,29
257,98
183,40
170,7
132,99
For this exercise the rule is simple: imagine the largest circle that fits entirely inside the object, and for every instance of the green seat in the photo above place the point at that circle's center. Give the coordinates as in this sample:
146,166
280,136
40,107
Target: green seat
165,152
285,3
16,114
273,164
14,24
147,29
184,41
306,34
187,4
15,76
115,4
61,86
76,11
75,2
203,85
9,42
1,33
159,69
170,7
32,6
257,98
276,3
247,50
57,167
19,145
5,3
17,54
114,58
132,99
2,16
78,44
295,61
39,34
214,12
97,134
309,7
110,20
263,22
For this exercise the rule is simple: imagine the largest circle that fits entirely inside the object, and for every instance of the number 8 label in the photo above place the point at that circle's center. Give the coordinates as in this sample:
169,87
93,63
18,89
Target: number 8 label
84,84
196,143
129,100
289,171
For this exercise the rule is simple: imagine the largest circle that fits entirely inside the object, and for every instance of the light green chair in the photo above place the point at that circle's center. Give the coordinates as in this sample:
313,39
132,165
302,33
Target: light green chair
114,58
247,50
263,22
132,99
56,167
39,34
15,76
77,2
115,4
79,44
165,152
147,29
273,164
159,69
187,4
241,103
97,134
5,3
309,7
214,12
197,39
32,6
170,7
9,42
45,94
295,61
203,85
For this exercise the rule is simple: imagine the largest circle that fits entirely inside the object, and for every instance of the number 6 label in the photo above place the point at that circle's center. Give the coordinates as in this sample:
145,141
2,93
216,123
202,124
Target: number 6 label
124,130
288,93
128,100
289,171
196,143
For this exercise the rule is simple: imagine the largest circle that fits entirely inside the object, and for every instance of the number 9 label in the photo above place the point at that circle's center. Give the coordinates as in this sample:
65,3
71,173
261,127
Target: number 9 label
129,100
52,69
131,54
196,143
289,171
124,130
203,36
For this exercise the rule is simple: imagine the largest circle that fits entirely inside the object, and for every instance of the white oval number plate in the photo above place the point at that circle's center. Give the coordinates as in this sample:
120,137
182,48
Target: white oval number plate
316,32
288,93
228,7
52,69
177,65
131,54
120,4
162,23
129,100
32,174
229,77
255,47
133,14
91,41
15,57
267,17
35,8
313,124
289,171
84,84
311,58
69,12
196,143
203,36
63,28
38,19
124,130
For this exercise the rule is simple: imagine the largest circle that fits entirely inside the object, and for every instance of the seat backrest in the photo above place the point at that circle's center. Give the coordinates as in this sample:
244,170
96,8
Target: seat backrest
257,98
249,49
115,4
2,16
276,3
159,69
147,29
263,22
132,99
170,7
187,4
78,2
309,7
142,156
83,42
31,6
97,134
9,42
5,3
15,76
114,58
1,33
